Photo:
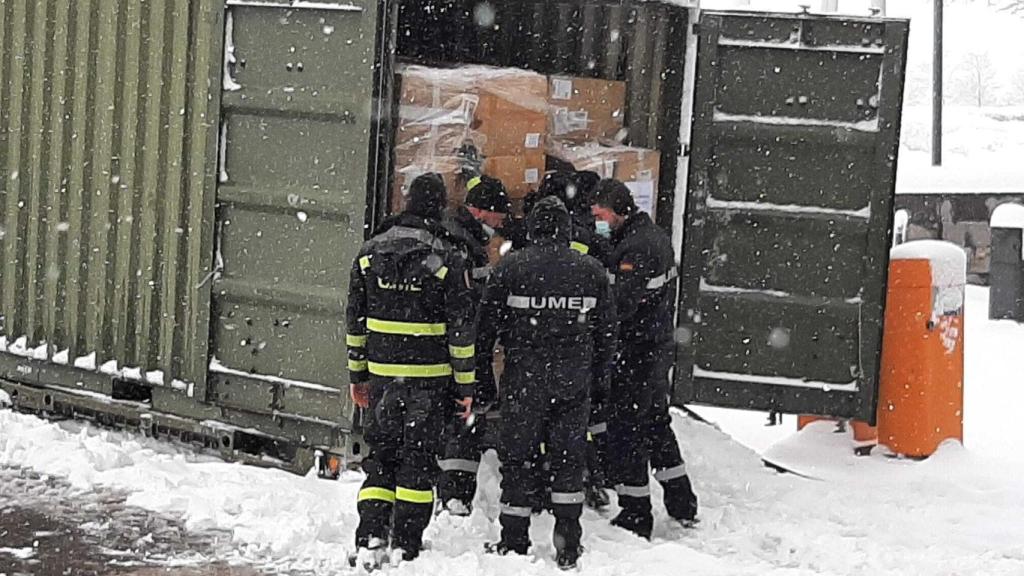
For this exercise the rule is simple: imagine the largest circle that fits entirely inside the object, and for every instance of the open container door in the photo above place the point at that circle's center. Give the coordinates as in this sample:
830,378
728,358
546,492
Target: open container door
304,83
789,212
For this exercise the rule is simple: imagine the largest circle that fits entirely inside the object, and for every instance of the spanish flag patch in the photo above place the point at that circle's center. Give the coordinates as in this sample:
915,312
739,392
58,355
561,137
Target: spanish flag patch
626,267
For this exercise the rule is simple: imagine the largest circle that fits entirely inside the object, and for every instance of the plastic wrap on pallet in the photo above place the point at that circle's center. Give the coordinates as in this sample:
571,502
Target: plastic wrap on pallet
493,120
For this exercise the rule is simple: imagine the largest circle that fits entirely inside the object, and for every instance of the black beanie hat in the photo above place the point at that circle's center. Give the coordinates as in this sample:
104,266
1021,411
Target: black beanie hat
613,194
561,185
548,218
486,193
427,196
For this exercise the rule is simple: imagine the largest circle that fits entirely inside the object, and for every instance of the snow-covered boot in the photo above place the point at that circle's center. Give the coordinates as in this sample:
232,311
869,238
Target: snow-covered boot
370,557
502,548
569,557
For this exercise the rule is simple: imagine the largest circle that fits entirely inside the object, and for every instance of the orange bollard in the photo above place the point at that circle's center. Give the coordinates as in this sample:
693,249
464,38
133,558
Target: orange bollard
921,393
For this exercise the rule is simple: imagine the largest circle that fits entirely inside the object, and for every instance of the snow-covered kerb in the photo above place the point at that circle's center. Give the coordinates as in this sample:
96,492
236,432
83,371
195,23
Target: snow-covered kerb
1008,216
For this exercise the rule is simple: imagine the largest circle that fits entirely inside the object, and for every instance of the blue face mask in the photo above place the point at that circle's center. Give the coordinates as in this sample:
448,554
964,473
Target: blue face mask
603,228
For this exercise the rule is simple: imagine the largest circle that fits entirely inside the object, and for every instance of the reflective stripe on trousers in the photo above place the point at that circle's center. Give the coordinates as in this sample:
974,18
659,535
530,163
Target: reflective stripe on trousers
567,498
670,473
458,465
517,511
633,491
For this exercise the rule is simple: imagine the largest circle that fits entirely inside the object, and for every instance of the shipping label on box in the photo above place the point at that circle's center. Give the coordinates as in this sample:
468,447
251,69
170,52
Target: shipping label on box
586,108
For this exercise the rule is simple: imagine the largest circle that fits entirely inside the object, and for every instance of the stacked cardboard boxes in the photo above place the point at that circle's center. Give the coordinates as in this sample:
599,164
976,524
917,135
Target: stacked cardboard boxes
447,117
509,123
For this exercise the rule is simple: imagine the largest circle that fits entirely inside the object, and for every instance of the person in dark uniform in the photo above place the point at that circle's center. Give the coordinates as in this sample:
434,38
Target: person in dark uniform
411,349
552,309
574,190
485,210
642,265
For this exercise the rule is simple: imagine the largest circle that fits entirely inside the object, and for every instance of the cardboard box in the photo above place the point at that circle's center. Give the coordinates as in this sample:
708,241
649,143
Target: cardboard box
503,109
585,108
520,174
637,168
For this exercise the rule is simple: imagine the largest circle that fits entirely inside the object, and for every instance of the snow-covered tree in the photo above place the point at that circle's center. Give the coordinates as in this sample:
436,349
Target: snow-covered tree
976,79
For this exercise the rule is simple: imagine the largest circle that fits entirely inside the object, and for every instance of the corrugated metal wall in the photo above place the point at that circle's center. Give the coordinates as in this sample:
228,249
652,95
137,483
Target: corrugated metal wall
107,153
640,42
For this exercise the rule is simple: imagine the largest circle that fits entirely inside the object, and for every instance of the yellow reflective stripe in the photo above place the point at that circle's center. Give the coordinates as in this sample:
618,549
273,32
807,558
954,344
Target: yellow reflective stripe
410,370
579,247
405,328
414,496
465,377
441,272
462,351
376,494
473,183
356,340
364,262
590,437
357,365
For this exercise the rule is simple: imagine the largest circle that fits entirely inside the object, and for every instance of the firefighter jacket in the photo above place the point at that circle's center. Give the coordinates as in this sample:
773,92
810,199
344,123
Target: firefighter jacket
410,308
643,273
552,300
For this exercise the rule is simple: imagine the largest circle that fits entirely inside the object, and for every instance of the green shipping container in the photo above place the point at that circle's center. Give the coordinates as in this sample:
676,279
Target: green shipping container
184,184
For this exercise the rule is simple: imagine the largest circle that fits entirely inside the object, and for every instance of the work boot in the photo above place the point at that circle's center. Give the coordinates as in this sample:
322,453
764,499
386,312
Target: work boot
370,557
680,501
515,536
569,557
639,523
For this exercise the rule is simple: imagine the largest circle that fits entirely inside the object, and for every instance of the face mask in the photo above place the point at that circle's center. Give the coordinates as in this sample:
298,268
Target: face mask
603,228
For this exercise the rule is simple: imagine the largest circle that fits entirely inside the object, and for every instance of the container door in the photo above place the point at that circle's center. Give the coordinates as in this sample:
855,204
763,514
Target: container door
303,84
788,219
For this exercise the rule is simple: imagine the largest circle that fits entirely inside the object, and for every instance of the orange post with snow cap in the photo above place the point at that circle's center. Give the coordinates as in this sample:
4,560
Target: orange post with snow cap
921,394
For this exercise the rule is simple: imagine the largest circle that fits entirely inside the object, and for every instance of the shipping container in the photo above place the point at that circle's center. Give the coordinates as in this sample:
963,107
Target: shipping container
184,184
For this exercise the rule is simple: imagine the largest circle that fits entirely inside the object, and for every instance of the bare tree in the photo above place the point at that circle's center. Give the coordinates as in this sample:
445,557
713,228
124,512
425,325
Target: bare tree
977,78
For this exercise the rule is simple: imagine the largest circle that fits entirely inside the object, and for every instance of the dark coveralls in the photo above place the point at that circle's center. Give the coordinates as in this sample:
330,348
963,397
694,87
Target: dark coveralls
410,334
551,308
466,444
642,264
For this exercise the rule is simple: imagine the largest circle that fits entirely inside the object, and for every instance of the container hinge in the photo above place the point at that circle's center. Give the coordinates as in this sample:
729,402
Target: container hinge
696,29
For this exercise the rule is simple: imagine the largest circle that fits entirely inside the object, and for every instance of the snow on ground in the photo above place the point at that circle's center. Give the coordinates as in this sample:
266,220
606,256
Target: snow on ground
956,513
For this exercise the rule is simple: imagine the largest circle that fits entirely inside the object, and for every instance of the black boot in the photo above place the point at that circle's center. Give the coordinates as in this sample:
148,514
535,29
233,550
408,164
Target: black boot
515,536
680,501
569,557
635,516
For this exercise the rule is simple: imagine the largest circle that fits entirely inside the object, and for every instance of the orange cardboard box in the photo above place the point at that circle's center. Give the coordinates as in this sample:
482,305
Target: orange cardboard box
585,108
520,174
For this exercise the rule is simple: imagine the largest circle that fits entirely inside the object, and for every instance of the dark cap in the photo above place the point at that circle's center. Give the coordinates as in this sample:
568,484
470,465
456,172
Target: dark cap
486,193
427,196
613,194
548,218
561,185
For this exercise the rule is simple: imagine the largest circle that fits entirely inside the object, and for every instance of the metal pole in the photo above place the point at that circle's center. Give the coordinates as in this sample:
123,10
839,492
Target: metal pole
937,88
